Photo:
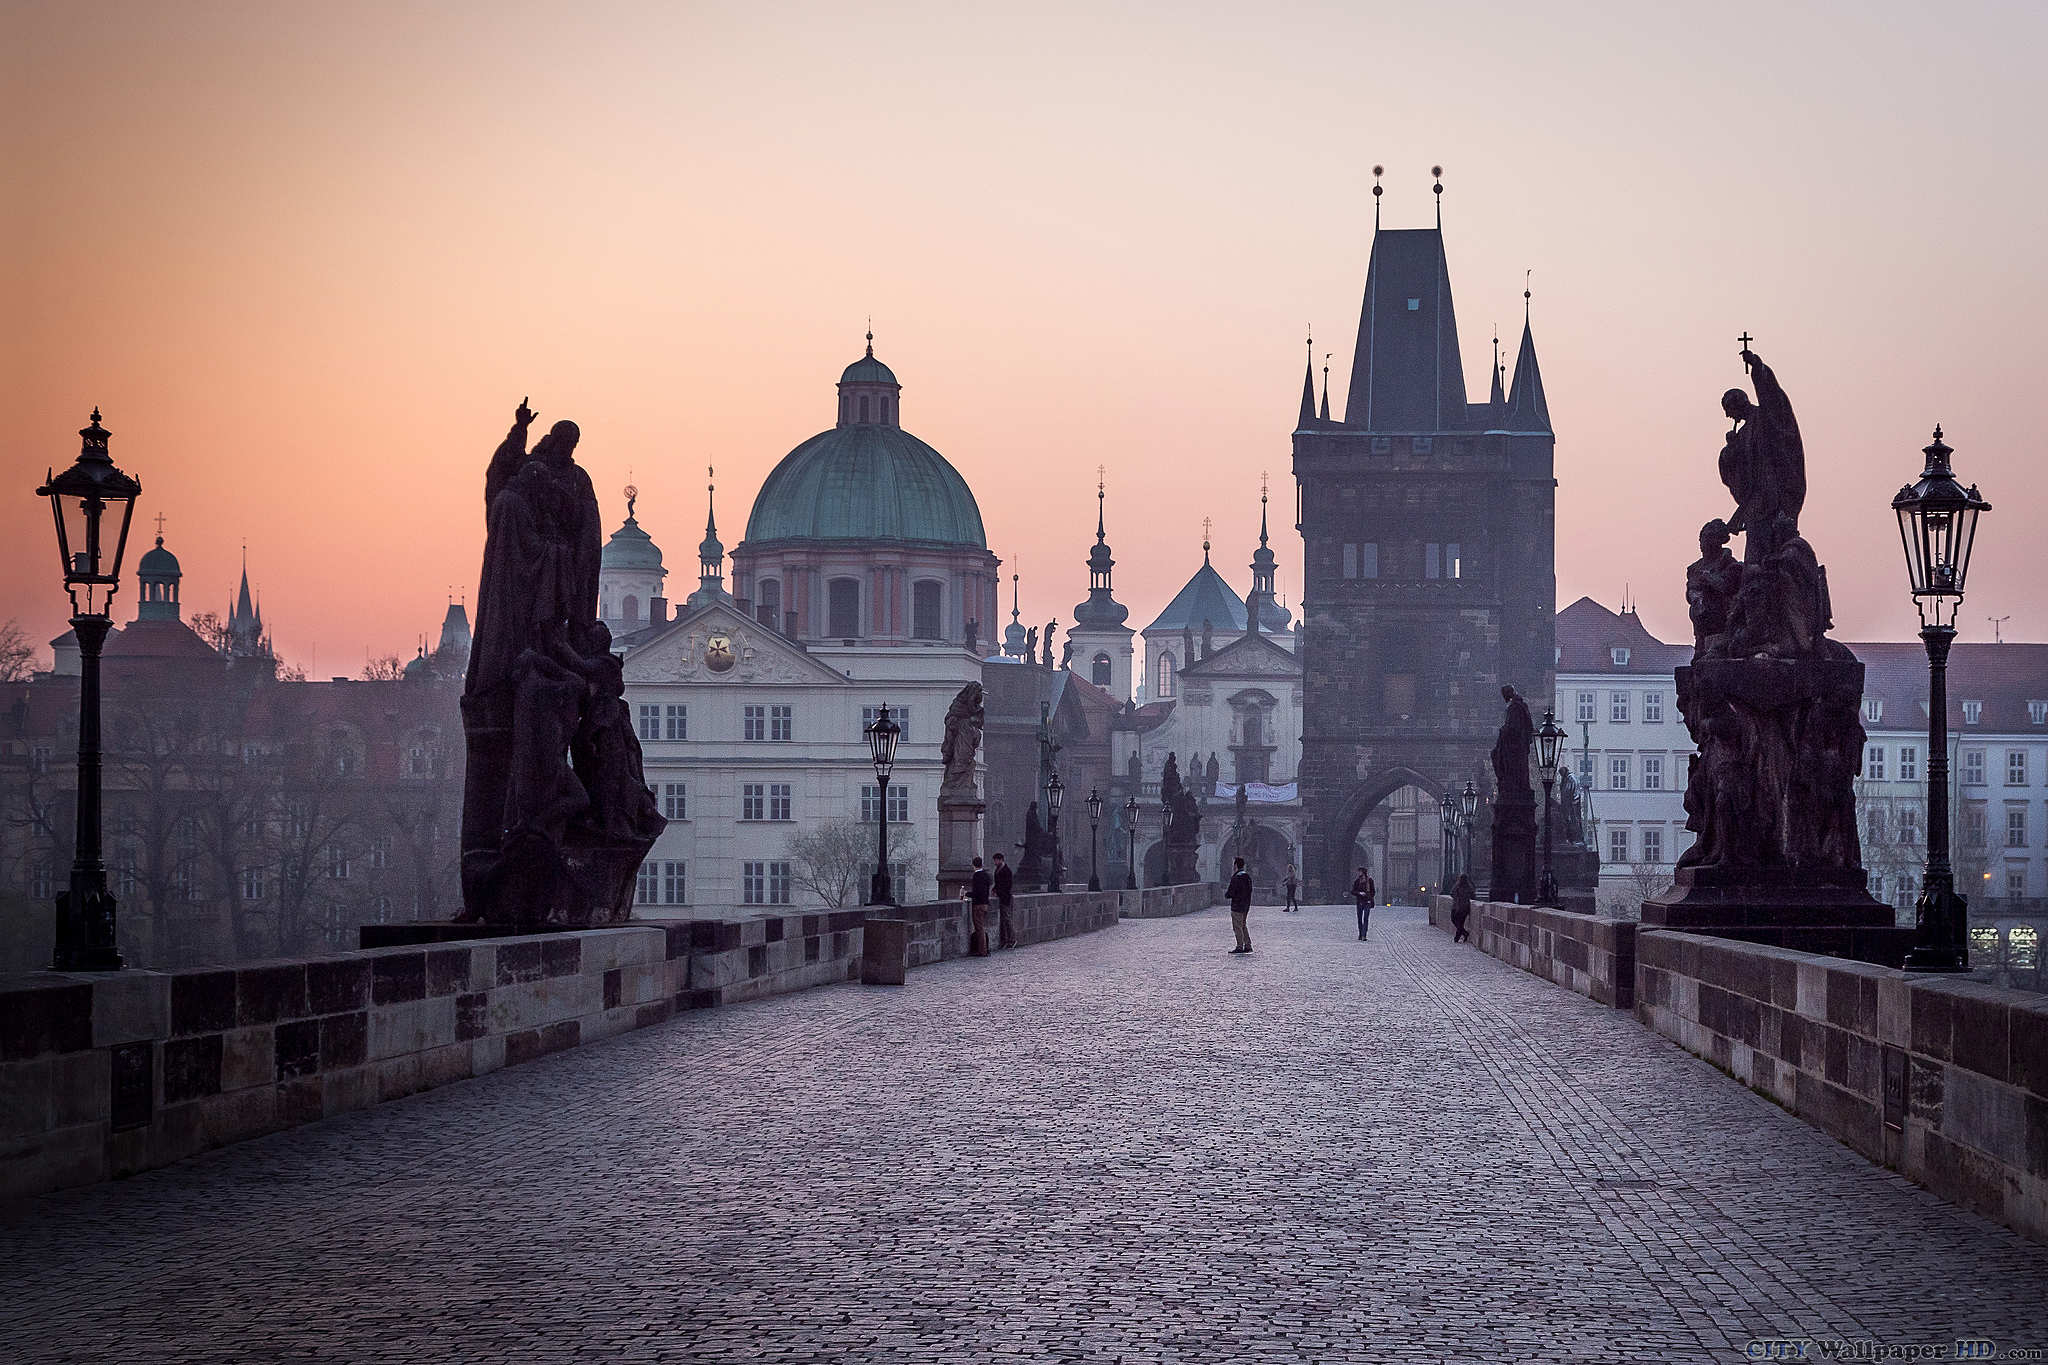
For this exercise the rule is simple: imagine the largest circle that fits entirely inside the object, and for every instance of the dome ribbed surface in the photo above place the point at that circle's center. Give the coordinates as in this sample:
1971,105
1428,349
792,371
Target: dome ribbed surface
866,482
630,548
158,563
868,370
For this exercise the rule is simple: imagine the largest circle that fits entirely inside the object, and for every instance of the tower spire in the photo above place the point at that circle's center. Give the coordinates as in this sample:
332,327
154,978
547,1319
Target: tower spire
1326,386
1377,191
1498,397
1438,191
1100,470
1258,604
1308,383
710,551
1207,525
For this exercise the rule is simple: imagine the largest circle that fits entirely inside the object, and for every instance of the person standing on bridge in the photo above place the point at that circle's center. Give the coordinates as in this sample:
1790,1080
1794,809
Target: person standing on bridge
1241,907
1006,899
1362,890
1461,907
1290,886
977,898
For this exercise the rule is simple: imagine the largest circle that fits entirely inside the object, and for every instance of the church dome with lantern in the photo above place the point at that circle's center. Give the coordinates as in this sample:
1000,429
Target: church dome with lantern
864,487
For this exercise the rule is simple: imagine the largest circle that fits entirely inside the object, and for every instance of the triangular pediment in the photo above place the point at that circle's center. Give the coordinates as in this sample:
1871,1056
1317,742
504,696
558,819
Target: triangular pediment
695,646
1248,656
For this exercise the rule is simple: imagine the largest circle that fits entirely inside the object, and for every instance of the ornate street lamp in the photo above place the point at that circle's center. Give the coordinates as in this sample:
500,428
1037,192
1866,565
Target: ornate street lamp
1447,821
80,500
882,736
1938,528
1094,848
1131,836
1468,815
1548,737
1055,793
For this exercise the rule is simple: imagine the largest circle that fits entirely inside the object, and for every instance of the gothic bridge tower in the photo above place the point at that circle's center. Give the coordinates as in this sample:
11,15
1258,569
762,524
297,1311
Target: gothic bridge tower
1428,531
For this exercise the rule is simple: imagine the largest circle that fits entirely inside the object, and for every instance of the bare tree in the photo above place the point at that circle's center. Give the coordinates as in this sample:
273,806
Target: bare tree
17,654
833,861
208,626
385,668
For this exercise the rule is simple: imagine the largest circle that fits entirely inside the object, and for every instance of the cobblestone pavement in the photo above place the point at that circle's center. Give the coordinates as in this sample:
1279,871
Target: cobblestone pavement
1127,1147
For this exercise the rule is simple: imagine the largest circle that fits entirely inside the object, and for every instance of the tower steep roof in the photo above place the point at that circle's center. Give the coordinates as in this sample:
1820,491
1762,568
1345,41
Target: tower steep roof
1407,374
1528,410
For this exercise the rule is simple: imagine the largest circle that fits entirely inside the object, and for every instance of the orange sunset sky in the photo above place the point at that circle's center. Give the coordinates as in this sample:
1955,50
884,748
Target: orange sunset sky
307,258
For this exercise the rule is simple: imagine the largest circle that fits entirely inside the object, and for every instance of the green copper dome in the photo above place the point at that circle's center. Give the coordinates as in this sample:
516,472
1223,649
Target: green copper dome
866,481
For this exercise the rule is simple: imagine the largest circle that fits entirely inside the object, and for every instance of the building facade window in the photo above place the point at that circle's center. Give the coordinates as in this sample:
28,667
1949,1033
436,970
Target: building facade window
675,800
1617,773
1653,773
2015,883
1653,845
1873,762
764,883
678,726
899,804
337,863
1617,707
899,714
39,881
650,722
1164,676
380,852
2016,827
1587,702
781,723
647,885
925,619
1973,767
768,603
1972,711
1877,824
754,801
1617,845
1653,708
1909,763
778,801
1973,827
1619,654
2037,712
674,883
2015,767
1909,826
2025,941
253,887
1873,710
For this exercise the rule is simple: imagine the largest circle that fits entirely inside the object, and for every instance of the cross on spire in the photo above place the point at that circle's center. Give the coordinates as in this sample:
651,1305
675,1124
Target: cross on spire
1206,527
159,528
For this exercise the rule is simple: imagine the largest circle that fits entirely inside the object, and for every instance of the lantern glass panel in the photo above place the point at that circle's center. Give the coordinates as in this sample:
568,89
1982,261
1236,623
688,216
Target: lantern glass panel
1055,793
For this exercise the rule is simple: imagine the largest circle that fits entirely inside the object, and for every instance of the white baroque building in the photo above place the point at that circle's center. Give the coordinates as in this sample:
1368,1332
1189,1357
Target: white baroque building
864,564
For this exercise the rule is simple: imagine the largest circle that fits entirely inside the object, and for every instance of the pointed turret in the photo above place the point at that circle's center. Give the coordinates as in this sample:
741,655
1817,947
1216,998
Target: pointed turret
1498,398
1015,637
710,551
1527,408
1308,386
1262,612
1100,636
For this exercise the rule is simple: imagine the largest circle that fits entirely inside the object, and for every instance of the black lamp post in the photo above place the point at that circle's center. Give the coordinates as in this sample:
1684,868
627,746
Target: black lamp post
1468,815
1446,824
882,736
1938,528
1055,793
1131,836
1094,847
80,499
1548,737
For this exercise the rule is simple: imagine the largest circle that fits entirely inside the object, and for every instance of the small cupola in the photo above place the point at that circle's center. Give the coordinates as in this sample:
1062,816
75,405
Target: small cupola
868,392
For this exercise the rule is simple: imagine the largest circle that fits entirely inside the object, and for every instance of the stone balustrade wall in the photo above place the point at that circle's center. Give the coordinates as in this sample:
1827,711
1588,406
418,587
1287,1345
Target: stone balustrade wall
1591,954
1162,902
106,1074
1942,1079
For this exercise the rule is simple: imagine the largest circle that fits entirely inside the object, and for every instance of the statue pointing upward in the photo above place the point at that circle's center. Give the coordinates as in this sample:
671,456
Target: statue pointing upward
1763,462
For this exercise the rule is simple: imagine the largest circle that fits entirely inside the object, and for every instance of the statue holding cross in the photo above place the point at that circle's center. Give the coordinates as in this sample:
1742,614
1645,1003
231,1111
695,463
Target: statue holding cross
1763,462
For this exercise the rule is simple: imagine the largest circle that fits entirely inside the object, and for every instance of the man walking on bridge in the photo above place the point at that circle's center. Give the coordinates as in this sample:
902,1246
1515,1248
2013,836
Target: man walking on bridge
1362,890
1241,907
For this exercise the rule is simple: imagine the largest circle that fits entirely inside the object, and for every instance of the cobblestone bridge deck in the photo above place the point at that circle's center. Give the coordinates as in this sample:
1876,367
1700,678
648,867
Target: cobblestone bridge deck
1121,1147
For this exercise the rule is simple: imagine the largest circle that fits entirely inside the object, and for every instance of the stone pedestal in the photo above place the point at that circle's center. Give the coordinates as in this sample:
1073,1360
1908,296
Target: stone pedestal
1514,849
1714,899
1180,864
1577,869
884,951
959,845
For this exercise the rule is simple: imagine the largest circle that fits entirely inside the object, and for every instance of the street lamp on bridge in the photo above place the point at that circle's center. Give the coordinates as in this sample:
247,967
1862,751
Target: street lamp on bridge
1468,815
1055,795
80,499
1131,836
1094,846
1547,739
1446,827
882,736
1938,528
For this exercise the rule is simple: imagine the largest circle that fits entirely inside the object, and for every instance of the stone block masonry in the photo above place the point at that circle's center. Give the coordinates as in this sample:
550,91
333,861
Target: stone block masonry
1942,1079
1164,902
106,1075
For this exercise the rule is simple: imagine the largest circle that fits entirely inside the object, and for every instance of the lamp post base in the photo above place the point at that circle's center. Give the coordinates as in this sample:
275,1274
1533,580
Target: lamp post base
85,932
879,890
1944,939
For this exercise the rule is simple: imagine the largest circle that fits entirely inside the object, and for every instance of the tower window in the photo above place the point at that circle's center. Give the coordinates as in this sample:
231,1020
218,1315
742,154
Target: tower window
1165,675
1099,670
629,610
863,407
768,602
1415,305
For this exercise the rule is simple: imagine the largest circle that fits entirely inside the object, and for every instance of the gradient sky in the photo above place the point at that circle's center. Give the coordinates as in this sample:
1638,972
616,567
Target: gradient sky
308,258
